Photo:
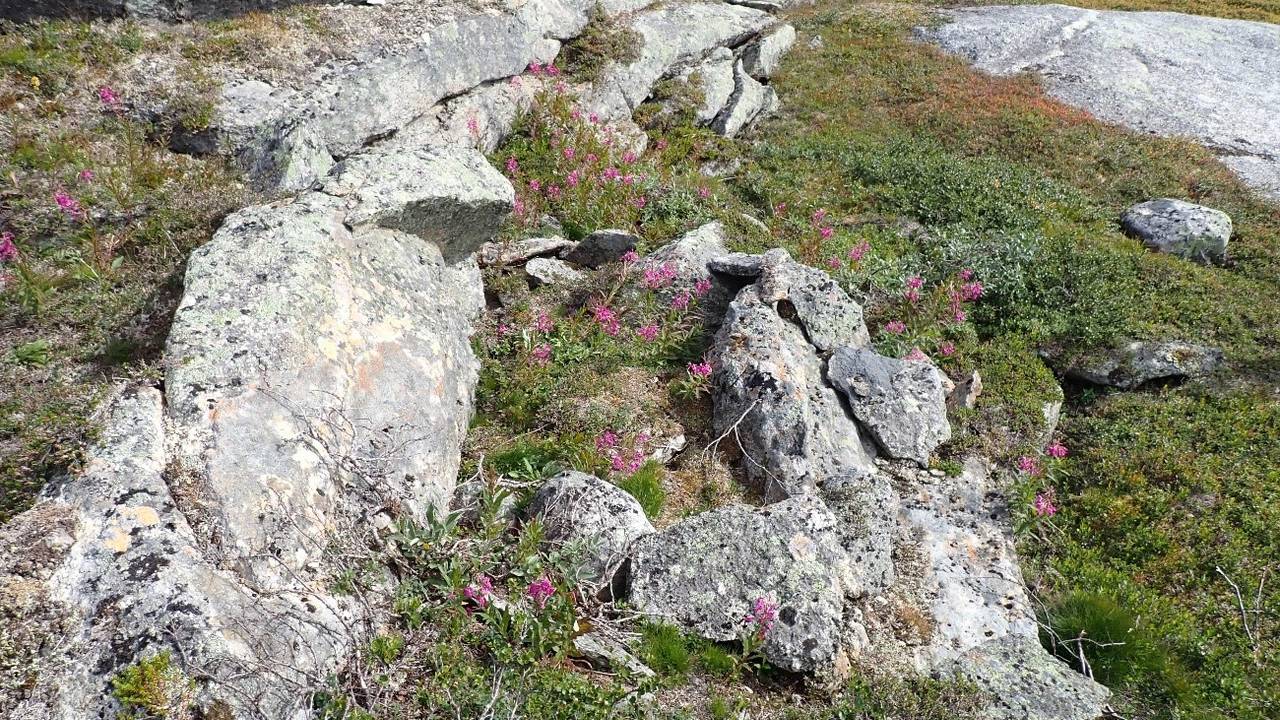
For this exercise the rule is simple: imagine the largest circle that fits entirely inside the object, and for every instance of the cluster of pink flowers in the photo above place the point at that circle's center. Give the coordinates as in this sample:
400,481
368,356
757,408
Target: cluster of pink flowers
916,355
700,369
607,319
857,252
896,327
540,591
702,287
68,204
630,257
537,69
8,250
1043,506
681,301
544,323
649,332
541,354
912,289
86,176
1029,466
623,456
109,99
480,592
947,348
659,277
762,616
1056,450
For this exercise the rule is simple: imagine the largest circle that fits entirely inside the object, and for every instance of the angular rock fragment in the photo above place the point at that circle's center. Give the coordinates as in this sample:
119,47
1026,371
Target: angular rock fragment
750,100
715,80
771,395
762,57
298,341
1190,231
1026,683
901,403
550,271
706,573
574,507
828,316
600,248
494,254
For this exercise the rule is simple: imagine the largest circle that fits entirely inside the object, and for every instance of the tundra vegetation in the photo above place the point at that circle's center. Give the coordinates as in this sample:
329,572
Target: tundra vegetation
973,217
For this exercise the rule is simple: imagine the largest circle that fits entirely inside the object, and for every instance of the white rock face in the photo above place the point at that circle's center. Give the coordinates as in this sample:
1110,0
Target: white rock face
292,323
762,57
1132,68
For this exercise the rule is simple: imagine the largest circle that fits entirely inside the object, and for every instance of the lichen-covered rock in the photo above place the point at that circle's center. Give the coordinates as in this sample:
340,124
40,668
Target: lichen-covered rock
901,403
706,572
714,78
829,317
1026,683
298,342
550,271
130,578
750,99
574,507
686,260
1190,231
1141,362
448,196
494,254
761,58
601,248
673,37
770,393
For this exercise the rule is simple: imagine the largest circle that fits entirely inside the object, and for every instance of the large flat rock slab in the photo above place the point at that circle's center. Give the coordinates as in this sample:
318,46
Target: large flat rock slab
1209,79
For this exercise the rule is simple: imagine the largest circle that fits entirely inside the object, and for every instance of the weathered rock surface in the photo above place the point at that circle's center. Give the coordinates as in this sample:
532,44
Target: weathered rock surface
23,10
901,403
550,271
1141,362
750,99
1190,231
298,341
493,254
771,394
715,79
706,572
687,258
762,58
600,248
1131,68
578,508
674,37
1025,682
131,578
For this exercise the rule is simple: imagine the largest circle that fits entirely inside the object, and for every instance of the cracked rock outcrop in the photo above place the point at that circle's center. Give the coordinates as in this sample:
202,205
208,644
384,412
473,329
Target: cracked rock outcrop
1131,68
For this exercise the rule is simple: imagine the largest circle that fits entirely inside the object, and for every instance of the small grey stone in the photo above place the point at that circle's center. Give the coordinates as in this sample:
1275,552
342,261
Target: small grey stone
612,654
550,271
740,265
600,248
706,572
1190,231
578,508
902,403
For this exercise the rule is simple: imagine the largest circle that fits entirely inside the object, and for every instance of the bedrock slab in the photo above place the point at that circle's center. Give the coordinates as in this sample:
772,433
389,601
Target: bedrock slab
1135,69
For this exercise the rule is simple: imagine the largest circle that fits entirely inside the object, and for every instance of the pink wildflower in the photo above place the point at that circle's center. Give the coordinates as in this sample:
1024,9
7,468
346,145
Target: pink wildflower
971,290
69,205
702,287
763,615
818,215
662,144
535,68
861,249
535,185
473,127
655,278
592,158
503,330
704,192
649,332
8,251
607,439
540,590
629,157
611,173
561,87
966,274
1044,505
897,327
569,153
108,98
700,369
916,355
479,592
681,301
594,119
553,191
572,179
552,70
834,262
912,296
542,354
86,176
1056,450
1029,465
543,323
915,282
826,232
960,316
947,349
630,257
640,201
575,114
513,166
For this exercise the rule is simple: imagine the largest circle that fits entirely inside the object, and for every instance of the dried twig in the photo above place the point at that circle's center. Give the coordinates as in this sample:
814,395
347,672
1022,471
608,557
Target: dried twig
1244,613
